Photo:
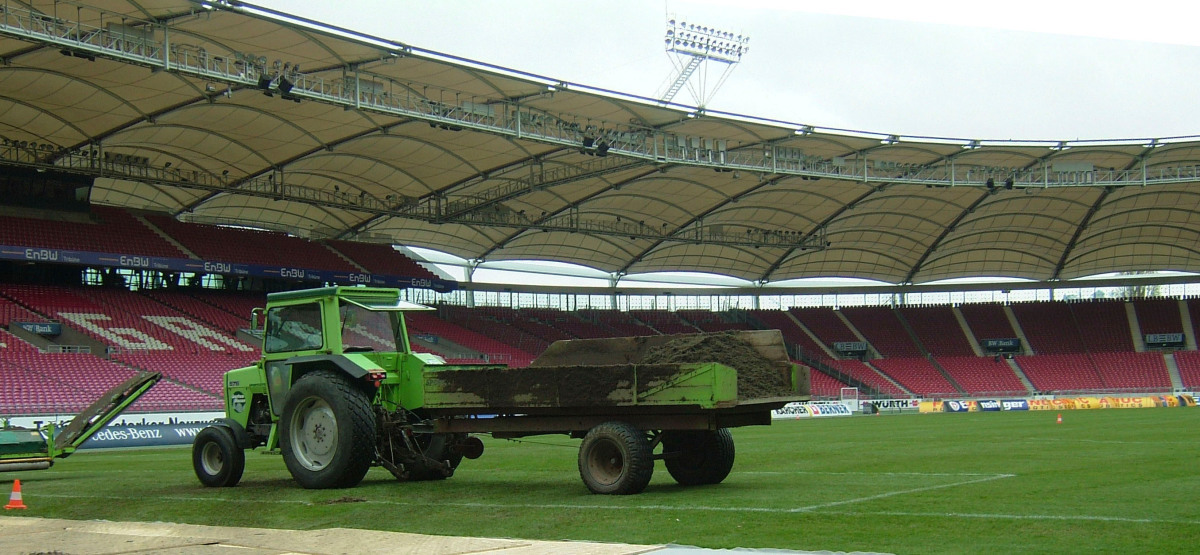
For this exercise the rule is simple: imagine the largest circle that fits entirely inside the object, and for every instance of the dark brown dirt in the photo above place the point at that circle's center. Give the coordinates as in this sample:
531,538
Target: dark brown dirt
610,379
758,377
346,499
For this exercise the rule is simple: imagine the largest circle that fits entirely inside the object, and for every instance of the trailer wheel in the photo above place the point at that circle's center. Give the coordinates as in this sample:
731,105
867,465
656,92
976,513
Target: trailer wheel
217,459
327,431
615,458
698,457
436,447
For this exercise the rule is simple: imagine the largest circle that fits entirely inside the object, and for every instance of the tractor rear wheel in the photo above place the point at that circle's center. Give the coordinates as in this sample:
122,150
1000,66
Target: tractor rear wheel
698,457
327,431
616,459
216,458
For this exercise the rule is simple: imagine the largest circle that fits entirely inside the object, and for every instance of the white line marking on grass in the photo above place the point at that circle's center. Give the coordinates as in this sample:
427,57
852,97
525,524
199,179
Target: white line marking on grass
1017,517
1106,441
809,508
983,516
918,474
901,492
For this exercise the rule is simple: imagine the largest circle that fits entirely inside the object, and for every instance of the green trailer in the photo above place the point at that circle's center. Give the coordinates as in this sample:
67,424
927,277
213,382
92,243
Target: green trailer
36,448
339,389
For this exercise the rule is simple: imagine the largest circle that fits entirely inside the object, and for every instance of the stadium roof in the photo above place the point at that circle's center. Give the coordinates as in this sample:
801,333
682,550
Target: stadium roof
223,112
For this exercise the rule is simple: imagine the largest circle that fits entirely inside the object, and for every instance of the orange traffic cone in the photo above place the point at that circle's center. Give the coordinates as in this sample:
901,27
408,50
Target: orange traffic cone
1059,418
14,500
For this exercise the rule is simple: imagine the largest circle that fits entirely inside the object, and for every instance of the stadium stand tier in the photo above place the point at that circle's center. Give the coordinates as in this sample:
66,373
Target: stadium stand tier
825,324
104,229
380,259
938,330
1189,367
917,375
983,375
248,246
884,330
793,334
1158,315
190,335
987,321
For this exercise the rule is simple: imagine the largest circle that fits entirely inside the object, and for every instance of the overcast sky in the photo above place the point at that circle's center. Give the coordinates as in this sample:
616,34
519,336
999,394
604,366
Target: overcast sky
973,70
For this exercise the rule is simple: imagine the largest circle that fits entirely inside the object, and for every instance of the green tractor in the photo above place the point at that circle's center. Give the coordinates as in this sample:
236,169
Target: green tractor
338,390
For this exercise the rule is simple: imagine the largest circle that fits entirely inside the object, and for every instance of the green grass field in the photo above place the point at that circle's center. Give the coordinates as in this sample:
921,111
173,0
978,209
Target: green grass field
1102,481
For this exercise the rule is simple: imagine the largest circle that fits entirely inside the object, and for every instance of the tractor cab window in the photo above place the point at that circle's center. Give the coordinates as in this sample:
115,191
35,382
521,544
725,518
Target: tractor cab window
293,328
368,330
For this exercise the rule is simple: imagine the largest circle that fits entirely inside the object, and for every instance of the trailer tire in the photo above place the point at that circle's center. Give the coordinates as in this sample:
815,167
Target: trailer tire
698,457
327,431
216,458
616,459
436,447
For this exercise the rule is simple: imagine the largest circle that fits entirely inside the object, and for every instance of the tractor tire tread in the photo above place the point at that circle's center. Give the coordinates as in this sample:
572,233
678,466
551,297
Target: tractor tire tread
359,442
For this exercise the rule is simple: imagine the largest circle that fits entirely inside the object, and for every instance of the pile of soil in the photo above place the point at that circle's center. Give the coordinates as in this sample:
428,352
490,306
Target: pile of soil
612,368
758,377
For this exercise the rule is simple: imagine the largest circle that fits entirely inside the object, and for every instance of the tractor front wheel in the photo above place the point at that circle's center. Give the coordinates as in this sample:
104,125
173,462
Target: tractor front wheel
327,431
216,457
616,459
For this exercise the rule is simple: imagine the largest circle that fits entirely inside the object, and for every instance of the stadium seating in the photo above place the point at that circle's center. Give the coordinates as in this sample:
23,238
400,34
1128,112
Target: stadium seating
541,325
983,375
248,246
825,324
825,386
496,323
917,375
200,310
42,383
792,334
189,336
664,322
1158,315
706,320
1103,325
1189,368
238,304
987,321
110,230
617,323
938,330
1194,312
496,351
1132,372
573,325
861,372
1049,327
10,312
1061,372
883,330
200,371
380,259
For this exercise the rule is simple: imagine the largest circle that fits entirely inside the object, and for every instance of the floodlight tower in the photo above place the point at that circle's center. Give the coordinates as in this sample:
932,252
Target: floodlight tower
691,46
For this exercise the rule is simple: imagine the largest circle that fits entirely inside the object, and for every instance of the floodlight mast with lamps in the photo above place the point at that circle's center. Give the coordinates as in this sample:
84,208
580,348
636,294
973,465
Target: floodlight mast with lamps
691,46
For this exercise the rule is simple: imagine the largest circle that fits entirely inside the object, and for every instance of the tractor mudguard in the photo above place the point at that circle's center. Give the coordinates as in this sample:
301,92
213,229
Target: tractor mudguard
239,433
342,362
282,374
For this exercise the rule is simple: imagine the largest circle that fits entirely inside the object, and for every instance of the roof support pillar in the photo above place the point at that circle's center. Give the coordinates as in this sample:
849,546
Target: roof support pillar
166,47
